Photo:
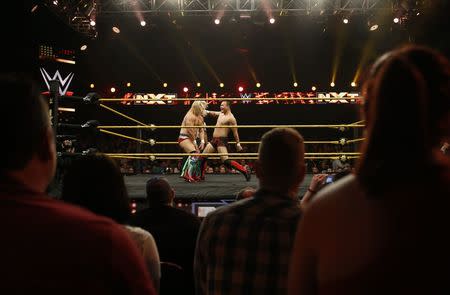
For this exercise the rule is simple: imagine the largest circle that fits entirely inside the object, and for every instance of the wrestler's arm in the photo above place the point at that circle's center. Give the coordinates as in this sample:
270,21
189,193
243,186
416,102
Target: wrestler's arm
211,113
202,135
233,122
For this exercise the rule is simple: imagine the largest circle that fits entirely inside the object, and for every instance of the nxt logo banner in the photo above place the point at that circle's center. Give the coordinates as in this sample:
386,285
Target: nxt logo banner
150,98
64,83
341,97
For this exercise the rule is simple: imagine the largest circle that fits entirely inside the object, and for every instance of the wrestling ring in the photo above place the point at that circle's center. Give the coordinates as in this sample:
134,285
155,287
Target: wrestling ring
215,186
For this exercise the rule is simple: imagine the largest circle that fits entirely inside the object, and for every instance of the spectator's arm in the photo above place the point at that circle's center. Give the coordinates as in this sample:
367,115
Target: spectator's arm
302,272
129,271
316,184
200,259
152,260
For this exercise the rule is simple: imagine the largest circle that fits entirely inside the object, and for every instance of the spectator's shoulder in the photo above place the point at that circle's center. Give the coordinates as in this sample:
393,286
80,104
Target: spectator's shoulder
329,199
76,217
230,209
337,191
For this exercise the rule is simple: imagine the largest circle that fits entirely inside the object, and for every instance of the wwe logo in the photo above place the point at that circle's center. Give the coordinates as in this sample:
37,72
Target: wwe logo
63,83
246,95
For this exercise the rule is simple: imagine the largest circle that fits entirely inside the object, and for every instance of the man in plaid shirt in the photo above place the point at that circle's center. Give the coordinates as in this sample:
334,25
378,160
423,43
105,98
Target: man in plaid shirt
245,248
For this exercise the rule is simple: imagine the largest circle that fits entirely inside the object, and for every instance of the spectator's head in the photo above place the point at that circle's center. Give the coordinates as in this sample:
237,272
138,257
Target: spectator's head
407,115
280,166
245,193
28,147
198,107
95,183
159,192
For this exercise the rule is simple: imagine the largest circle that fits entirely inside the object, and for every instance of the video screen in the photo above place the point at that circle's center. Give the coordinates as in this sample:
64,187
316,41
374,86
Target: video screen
203,211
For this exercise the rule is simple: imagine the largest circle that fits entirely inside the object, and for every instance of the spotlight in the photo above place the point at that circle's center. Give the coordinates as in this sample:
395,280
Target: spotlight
165,85
332,84
345,21
373,27
221,85
271,20
55,2
314,88
241,88
217,21
143,23
83,47
116,30
396,20
92,23
258,85
113,89
185,89
92,85
199,84
128,84
295,84
353,84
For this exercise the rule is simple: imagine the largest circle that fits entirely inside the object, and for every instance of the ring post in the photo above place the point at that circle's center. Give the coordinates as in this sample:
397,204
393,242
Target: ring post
54,100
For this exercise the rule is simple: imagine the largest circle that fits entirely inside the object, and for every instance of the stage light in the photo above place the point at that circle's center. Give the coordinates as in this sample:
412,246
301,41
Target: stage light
128,84
221,85
92,23
241,88
185,89
83,47
143,23
345,20
113,89
92,85
217,21
34,8
164,85
396,20
55,2
258,85
199,84
295,84
332,84
314,88
353,84
271,20
116,30
373,27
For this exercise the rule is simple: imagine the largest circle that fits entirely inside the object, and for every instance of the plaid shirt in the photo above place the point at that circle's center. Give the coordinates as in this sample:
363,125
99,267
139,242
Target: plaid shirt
245,247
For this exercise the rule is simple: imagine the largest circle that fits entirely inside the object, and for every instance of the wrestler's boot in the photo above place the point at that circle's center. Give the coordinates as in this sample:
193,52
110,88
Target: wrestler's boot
194,168
183,163
187,170
233,164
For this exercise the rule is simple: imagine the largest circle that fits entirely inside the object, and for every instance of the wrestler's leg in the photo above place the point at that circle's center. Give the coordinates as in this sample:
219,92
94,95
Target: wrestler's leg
203,159
188,147
230,164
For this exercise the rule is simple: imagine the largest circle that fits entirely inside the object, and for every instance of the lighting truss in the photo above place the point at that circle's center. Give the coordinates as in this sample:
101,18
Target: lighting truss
76,14
278,7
